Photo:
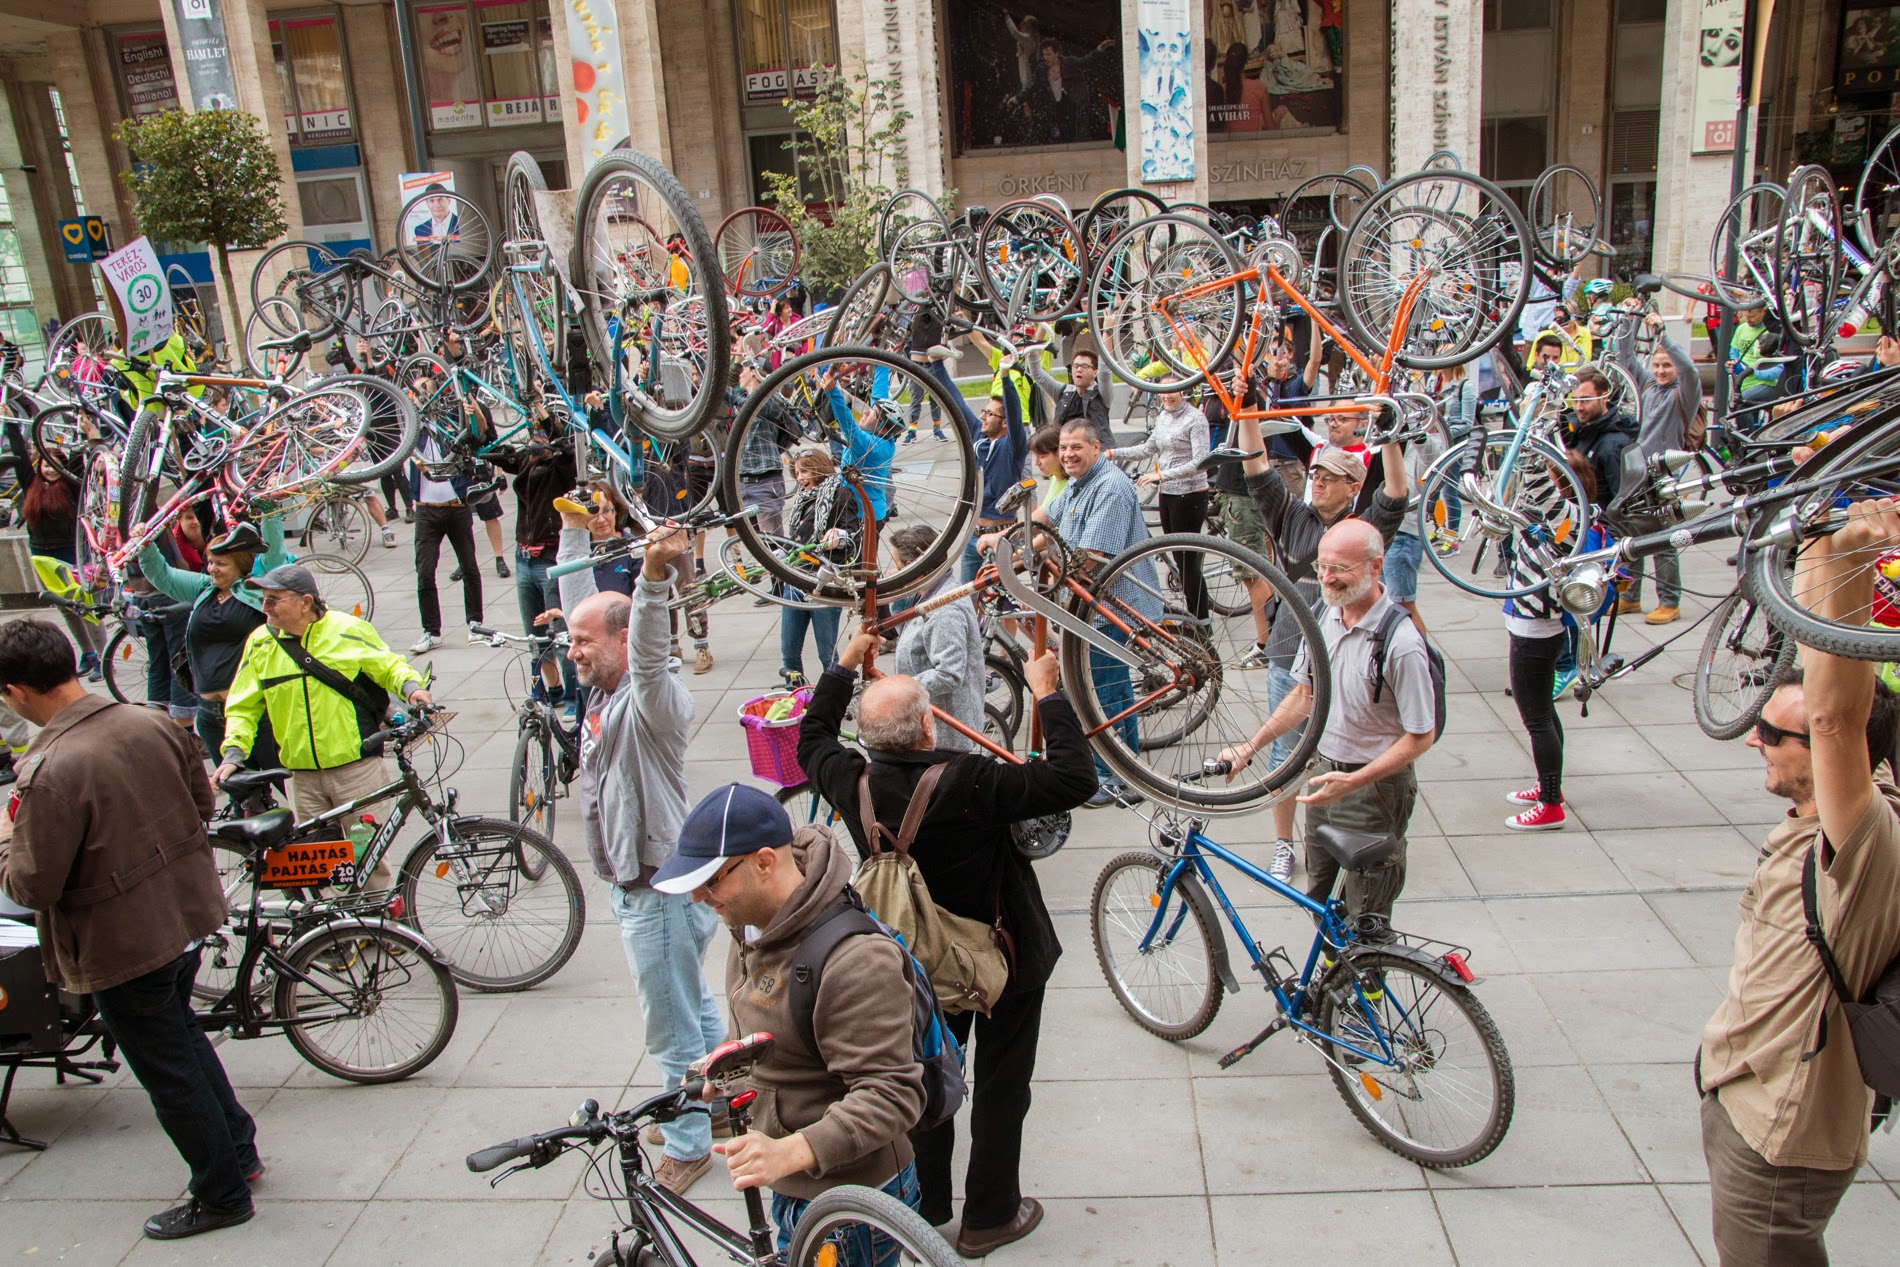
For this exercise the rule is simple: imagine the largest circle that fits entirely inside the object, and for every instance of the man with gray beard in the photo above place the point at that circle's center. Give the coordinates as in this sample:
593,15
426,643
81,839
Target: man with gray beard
1375,731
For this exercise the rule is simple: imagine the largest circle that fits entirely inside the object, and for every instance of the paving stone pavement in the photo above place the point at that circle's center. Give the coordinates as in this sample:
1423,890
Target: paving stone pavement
1603,949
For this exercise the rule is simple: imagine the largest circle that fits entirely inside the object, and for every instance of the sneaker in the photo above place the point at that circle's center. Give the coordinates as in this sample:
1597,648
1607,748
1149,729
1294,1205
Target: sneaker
937,434
910,437
702,660
1254,659
1629,606
1444,543
793,678
699,567
677,1176
501,568
389,537
255,1175
1529,796
427,642
761,601
721,1127
1114,792
1565,680
1281,868
455,576
1663,616
8,773
195,1217
1538,817
409,515
89,665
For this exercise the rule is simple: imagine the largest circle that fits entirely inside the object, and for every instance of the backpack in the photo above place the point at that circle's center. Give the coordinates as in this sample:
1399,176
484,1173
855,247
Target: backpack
935,1047
1873,1021
1433,657
963,957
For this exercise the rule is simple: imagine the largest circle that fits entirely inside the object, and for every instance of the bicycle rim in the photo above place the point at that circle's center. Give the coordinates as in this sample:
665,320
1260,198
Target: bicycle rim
1449,1099
127,664
366,1003
1877,195
1542,487
839,1217
532,788
309,437
1171,988
499,928
1735,670
1148,334
346,587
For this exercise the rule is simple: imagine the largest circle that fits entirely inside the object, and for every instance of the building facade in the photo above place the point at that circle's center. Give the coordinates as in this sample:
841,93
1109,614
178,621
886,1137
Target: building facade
1233,103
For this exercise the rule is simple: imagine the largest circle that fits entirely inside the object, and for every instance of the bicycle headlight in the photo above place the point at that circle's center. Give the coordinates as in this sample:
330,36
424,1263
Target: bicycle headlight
1582,592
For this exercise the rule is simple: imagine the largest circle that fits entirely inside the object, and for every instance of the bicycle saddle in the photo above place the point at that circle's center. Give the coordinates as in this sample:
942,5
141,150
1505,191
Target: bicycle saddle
248,782
1646,284
266,831
731,1061
1355,850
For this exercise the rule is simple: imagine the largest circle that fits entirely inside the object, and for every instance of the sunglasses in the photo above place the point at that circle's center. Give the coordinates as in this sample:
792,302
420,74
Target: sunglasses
718,877
1770,735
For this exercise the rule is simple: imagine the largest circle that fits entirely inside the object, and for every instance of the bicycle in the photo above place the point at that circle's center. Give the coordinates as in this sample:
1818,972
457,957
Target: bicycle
547,751
1410,1049
501,900
655,1216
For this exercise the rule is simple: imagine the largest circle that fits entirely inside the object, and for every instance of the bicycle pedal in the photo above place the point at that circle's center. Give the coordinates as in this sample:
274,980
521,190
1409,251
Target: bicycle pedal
1239,1053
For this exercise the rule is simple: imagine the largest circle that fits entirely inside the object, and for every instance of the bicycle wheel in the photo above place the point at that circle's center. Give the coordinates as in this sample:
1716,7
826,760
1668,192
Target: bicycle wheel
292,270
653,303
854,322
1032,245
339,526
96,522
1225,586
1807,256
1149,335
1111,213
806,806
445,242
312,436
263,326
388,438
1187,684
1004,689
1749,226
757,251
1542,488
839,1217
522,181
1170,988
933,483
76,357
1446,251
126,664
1734,673
346,587
499,928
141,464
1448,1099
223,950
1877,195
534,785
365,1002
1564,213
60,436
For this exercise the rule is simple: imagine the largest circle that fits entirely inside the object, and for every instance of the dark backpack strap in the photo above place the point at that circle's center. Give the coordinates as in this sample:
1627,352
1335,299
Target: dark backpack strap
875,833
324,673
1811,909
846,917
1380,638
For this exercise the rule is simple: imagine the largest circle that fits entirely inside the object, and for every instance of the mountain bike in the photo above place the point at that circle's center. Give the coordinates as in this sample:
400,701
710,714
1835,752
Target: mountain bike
1410,1049
649,1232
547,751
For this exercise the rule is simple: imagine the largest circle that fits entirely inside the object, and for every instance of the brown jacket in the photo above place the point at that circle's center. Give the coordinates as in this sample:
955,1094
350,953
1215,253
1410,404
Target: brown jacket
109,844
857,1097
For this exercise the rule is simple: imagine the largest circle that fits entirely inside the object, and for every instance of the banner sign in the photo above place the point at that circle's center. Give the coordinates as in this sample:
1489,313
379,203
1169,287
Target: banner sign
1718,78
1167,91
506,37
309,863
145,68
141,299
600,78
207,56
1869,59
510,111
413,183
83,240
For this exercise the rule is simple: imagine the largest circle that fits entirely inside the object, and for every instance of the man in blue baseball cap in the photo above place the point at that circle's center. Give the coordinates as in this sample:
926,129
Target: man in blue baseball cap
840,1114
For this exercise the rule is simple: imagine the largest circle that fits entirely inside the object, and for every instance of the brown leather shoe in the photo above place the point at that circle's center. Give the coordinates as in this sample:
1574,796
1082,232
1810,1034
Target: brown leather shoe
1629,607
978,1242
1662,616
677,1176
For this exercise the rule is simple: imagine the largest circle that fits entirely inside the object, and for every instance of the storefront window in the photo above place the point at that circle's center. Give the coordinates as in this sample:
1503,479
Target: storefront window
144,67
1273,65
1514,137
309,56
490,62
783,45
1042,73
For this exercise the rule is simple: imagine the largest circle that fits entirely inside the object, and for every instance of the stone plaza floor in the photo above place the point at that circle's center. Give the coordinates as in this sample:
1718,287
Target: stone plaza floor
1603,949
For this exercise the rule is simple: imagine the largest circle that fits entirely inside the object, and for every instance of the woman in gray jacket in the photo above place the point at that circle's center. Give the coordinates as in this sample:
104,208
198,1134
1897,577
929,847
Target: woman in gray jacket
942,650
1671,391
1178,444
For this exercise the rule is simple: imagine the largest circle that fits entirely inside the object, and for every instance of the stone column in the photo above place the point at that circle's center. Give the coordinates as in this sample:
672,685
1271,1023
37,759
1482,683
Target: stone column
83,77
1195,190
1437,69
382,122
1691,189
896,40
649,113
34,197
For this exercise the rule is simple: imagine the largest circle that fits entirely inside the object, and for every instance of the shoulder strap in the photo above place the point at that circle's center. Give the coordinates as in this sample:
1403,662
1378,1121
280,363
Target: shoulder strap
323,672
1811,908
875,833
1380,638
846,917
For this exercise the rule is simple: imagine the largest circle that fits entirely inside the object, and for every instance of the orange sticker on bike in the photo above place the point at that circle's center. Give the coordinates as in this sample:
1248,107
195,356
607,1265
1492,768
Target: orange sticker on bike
308,863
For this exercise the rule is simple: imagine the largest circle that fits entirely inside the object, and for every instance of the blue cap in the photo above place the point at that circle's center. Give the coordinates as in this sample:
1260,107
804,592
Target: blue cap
734,821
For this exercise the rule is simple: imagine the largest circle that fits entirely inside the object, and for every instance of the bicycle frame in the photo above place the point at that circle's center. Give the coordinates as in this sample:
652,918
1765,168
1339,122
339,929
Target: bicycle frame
648,1204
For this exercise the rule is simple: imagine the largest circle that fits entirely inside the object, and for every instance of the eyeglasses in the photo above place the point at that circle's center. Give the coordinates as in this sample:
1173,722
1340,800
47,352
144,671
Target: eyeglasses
718,877
1332,477
1337,569
1769,735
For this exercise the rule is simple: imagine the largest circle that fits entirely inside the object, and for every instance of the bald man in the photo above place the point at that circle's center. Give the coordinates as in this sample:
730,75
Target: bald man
633,802
967,857
1364,781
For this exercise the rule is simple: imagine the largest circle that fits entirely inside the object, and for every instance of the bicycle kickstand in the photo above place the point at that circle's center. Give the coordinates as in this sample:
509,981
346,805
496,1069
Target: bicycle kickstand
1234,1057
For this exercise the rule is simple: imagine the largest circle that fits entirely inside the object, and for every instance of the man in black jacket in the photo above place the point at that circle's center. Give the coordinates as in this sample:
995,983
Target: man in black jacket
969,860
1597,433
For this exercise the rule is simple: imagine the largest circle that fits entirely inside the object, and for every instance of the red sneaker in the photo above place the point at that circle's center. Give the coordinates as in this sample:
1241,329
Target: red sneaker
1529,796
1538,817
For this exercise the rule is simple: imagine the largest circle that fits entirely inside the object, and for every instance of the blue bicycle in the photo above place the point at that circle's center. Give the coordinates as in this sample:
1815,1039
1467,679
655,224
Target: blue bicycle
1412,1052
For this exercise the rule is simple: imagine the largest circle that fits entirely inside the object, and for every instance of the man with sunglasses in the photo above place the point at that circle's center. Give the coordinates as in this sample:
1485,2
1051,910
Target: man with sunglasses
1785,1111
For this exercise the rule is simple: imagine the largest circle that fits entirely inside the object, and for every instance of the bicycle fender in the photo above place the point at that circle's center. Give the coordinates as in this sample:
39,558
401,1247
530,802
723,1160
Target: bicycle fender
1431,963
399,929
1190,888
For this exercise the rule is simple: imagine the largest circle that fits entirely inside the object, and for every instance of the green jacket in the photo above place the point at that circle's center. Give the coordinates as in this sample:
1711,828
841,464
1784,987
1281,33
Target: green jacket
1745,346
317,728
191,587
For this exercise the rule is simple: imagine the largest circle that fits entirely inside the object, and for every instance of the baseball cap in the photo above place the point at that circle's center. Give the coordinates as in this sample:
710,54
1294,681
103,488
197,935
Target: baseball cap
290,576
1339,462
733,821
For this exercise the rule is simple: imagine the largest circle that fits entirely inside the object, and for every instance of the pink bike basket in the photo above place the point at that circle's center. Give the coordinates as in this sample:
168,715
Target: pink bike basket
772,746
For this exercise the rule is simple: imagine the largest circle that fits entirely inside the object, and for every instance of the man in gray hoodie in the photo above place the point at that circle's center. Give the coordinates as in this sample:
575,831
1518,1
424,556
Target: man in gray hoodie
633,801
1671,392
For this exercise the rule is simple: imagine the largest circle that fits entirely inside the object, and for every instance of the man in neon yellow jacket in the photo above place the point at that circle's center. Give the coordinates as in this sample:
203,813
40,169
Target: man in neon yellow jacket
320,730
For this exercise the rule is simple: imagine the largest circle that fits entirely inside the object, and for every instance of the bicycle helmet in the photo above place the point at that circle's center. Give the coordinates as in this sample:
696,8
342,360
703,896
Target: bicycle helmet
1598,289
1840,370
887,418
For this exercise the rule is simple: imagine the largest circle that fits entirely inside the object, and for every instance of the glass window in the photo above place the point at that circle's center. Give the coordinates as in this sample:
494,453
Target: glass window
144,67
1516,15
1273,65
782,45
337,201
1514,150
489,63
445,53
511,72
312,65
1641,10
1044,73
1632,225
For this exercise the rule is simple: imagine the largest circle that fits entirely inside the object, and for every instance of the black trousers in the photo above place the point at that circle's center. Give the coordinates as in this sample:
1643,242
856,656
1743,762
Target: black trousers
457,523
151,1019
1187,512
1002,1068
1533,676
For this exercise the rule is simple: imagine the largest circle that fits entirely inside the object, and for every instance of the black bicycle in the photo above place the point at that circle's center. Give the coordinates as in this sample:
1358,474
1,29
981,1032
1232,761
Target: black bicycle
547,750
647,1236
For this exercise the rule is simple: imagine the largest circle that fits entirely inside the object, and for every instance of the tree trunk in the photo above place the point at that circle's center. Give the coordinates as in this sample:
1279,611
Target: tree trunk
232,323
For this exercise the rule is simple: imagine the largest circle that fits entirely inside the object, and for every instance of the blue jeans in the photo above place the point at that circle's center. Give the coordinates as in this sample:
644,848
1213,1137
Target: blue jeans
165,636
534,594
792,623
1402,558
1280,684
963,415
1114,692
861,1247
666,939
151,1019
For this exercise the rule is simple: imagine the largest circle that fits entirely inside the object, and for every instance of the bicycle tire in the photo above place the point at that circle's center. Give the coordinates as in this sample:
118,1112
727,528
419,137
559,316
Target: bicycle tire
596,271
1109,215
462,260
95,526
858,309
293,265
390,436
1728,700
340,526
1363,1085
59,439
996,250
494,848
364,962
137,491
849,1205
1876,216
1807,257
533,784
1757,206
261,327
1153,259
222,953
790,797
310,437
1236,697
521,181
1560,245
125,662
755,233
1122,907
352,592
1004,689
1562,497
